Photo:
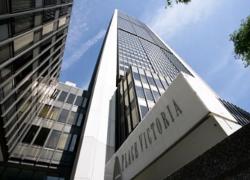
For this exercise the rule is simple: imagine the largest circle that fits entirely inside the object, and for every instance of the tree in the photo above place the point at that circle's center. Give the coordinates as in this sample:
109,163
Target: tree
170,2
241,40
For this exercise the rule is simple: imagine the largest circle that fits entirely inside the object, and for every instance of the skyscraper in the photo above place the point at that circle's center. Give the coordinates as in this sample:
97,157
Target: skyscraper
146,107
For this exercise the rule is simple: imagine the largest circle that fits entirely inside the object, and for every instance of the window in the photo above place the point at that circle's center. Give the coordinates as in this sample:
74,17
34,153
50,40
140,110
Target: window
9,115
57,156
156,95
53,139
4,52
4,30
3,7
135,118
143,78
21,5
5,73
136,76
59,43
41,138
43,113
48,28
151,81
22,23
143,110
20,62
59,34
62,21
164,83
72,118
78,101
149,95
45,45
50,114
54,113
73,143
128,119
79,120
139,92
63,116
131,94
46,155
71,98
158,82
39,3
68,142
62,96
63,11
85,100
30,135
55,94
62,142
7,88
23,41
49,2
48,15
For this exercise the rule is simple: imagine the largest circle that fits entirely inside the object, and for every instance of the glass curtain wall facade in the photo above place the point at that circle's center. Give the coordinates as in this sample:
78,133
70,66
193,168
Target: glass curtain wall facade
146,67
32,40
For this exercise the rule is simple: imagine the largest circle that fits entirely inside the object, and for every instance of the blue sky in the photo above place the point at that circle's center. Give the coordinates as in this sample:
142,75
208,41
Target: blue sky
198,32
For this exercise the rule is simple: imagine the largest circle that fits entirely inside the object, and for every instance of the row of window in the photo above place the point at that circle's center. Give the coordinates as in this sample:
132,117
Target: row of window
61,115
69,97
55,140
16,25
23,24
49,146
13,6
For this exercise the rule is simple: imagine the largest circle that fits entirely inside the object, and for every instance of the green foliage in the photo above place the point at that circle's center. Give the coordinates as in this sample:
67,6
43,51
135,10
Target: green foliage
241,40
170,2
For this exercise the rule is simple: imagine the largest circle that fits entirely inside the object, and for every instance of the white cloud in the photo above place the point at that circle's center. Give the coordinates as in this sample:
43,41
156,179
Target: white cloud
224,63
81,50
78,24
170,21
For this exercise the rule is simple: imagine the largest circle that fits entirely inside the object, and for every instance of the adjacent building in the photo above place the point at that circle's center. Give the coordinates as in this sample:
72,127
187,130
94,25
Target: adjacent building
32,40
40,119
48,147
